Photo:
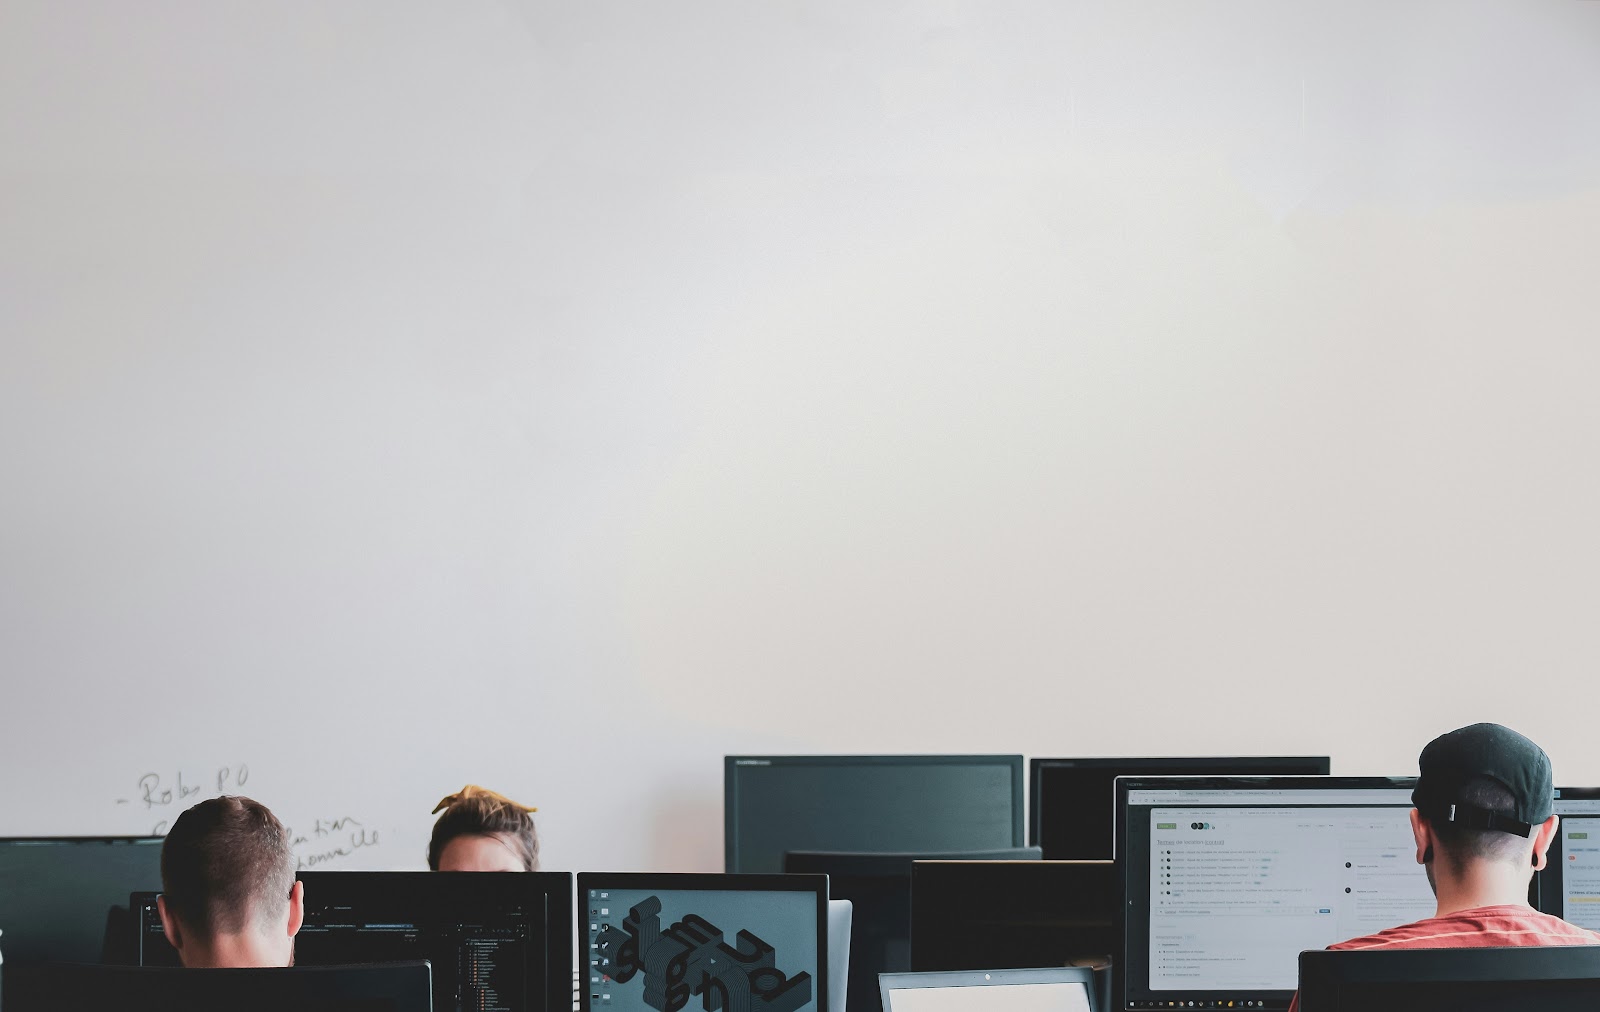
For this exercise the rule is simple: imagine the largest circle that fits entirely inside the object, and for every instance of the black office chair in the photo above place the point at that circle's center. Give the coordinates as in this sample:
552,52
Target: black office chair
375,987
1555,978
880,887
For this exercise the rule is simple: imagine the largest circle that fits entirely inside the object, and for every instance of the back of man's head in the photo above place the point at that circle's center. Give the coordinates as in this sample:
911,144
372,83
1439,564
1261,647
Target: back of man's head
1484,791
227,868
1463,843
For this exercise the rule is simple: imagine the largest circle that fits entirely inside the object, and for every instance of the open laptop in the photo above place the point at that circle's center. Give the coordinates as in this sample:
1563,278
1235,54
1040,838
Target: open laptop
1056,989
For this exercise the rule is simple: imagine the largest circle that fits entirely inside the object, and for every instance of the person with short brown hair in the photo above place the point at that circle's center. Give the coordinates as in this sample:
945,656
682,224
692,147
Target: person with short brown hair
481,830
229,896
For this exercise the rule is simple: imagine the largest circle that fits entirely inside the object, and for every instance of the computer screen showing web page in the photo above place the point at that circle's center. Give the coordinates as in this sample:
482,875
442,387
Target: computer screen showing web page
1225,883
1569,887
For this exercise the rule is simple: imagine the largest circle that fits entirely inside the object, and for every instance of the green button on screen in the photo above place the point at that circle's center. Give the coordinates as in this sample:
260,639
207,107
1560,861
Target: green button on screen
1166,825
1577,836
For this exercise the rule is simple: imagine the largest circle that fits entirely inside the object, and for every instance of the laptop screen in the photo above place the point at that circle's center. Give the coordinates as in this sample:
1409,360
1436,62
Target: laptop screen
1226,880
1066,989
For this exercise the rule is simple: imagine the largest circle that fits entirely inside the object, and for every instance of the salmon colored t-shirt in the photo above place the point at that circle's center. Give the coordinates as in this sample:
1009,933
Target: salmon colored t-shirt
1506,924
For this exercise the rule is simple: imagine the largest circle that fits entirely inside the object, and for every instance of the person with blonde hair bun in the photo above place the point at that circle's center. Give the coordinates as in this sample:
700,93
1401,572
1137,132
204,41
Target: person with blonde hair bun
482,830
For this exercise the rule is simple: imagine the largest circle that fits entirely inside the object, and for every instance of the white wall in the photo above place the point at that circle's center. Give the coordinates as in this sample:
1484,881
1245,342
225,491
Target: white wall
559,396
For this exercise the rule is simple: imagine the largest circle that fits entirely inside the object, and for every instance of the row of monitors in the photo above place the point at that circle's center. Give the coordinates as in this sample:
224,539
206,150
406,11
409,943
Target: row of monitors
1220,883
942,803
496,942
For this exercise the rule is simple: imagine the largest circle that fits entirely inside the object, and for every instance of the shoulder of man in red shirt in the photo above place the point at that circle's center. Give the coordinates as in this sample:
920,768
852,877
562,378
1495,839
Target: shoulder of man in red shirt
1479,927
1506,924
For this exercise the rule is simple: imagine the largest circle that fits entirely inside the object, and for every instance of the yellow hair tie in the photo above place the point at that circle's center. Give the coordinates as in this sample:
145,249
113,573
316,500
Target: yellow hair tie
474,791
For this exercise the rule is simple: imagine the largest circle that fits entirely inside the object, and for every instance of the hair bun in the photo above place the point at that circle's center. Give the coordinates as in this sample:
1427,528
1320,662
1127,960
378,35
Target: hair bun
474,791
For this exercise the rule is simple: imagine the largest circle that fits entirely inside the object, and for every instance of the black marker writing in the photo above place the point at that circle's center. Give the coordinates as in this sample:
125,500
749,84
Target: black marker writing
154,793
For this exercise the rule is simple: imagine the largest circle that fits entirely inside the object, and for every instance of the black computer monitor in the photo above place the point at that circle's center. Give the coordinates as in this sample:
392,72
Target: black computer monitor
1549,978
1569,886
976,915
886,803
1226,879
1073,802
879,885
497,940
58,894
740,943
393,987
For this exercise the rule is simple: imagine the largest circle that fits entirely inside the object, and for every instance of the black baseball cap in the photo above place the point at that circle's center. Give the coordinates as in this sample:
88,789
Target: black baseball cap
1485,752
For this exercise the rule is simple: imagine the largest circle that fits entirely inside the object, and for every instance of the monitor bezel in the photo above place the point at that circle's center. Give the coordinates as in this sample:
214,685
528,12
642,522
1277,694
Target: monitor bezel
138,841
1203,765
731,766
817,885
1120,984
136,905
859,864
988,978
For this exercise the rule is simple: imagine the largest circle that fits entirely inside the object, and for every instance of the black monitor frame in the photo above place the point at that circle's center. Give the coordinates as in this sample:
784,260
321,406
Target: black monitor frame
1133,889
816,885
880,887
1548,885
458,889
976,915
1325,975
876,864
16,944
732,765
1147,766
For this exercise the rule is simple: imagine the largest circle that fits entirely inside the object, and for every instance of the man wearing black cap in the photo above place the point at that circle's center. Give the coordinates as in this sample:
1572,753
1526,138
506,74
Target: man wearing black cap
1483,823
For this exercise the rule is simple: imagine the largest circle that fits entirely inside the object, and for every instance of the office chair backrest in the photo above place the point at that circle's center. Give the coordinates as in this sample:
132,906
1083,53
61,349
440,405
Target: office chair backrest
1554,978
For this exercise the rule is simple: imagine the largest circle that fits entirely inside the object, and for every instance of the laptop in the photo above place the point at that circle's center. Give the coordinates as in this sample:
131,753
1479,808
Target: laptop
1056,989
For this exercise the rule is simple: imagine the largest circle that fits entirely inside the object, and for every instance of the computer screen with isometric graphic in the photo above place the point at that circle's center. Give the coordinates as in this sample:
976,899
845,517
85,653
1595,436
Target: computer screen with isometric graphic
736,943
1227,879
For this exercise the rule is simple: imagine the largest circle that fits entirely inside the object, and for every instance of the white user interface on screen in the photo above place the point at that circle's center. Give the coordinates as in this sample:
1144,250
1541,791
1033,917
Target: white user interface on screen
1061,997
1580,856
1237,893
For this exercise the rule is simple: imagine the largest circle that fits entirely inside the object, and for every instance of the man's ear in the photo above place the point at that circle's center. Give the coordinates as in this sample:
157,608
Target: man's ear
297,907
1424,837
169,926
1543,836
